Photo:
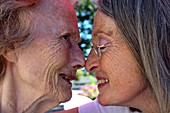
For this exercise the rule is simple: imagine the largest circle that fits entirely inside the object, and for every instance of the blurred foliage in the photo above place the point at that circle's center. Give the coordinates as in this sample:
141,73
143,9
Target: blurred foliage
90,91
80,73
85,14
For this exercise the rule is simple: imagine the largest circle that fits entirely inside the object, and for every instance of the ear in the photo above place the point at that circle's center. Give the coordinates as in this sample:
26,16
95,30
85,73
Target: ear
11,56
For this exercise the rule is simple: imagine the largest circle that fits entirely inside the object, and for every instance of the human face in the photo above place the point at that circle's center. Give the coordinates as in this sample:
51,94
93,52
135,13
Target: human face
120,81
50,61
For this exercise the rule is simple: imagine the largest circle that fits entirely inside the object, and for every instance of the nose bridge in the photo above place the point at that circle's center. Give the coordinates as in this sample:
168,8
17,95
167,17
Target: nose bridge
92,62
76,57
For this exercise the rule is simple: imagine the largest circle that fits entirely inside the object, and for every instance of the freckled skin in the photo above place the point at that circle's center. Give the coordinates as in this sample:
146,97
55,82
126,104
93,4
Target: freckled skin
35,74
126,85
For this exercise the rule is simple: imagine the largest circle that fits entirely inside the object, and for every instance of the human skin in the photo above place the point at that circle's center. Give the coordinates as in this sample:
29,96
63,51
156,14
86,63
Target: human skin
38,75
126,84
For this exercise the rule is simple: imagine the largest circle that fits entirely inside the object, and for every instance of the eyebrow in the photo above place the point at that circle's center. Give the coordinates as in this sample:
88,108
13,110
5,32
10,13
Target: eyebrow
101,33
65,31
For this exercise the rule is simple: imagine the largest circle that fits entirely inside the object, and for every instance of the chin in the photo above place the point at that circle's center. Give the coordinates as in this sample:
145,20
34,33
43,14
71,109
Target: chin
66,96
102,101
67,99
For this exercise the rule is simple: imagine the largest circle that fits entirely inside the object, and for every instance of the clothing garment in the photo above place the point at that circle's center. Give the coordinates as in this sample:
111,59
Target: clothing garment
95,107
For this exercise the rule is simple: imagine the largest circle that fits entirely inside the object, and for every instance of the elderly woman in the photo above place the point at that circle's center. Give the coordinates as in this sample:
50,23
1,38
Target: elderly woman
39,54
131,55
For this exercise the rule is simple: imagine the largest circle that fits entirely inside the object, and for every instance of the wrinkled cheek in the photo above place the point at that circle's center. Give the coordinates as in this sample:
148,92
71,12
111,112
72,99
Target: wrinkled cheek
52,71
58,57
58,89
64,91
63,57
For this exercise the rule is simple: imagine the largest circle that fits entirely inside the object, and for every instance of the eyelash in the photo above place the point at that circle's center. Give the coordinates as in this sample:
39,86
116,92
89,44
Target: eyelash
66,37
104,47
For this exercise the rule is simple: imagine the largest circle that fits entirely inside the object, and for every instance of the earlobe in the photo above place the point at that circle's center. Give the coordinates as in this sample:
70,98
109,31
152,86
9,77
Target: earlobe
11,56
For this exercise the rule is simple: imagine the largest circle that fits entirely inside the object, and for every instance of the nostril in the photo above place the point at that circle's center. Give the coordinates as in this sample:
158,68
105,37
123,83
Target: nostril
93,68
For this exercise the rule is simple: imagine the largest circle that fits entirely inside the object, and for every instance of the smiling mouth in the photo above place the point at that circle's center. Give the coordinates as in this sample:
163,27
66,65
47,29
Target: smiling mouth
102,81
67,77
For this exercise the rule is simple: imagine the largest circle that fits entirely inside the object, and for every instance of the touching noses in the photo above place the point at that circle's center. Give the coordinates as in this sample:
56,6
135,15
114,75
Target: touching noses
77,57
92,62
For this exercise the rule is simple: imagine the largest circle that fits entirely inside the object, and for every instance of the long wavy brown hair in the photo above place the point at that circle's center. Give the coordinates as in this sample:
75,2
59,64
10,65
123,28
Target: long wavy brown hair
146,27
15,27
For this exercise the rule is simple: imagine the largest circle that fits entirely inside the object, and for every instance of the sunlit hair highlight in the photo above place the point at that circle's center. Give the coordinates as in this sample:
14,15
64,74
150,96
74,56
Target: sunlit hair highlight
146,27
15,27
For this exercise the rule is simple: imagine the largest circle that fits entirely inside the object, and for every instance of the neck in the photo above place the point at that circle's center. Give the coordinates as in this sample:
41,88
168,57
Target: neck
150,105
19,97
147,102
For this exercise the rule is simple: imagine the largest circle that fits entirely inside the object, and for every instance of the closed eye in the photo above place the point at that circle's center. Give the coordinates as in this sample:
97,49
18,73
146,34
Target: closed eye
103,46
66,37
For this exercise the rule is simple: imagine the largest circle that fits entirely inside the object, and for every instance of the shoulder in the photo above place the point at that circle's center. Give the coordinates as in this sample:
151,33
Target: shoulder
95,107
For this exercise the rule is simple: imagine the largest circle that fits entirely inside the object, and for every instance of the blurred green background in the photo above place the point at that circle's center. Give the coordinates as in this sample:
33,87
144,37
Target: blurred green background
85,12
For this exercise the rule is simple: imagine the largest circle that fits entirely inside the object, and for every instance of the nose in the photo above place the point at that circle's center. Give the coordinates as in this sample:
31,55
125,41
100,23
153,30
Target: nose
77,58
92,62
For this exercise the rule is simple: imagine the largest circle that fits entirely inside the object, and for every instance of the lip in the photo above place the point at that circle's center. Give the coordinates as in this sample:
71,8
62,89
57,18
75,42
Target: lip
99,77
102,86
69,76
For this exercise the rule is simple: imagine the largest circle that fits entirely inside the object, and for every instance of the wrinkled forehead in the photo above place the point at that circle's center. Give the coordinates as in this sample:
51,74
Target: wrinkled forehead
58,14
55,6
